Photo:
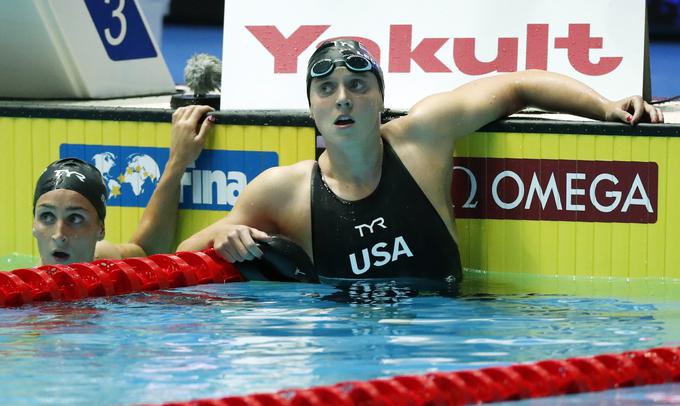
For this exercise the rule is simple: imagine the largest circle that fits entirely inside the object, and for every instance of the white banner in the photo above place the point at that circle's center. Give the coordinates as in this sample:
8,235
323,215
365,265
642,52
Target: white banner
430,46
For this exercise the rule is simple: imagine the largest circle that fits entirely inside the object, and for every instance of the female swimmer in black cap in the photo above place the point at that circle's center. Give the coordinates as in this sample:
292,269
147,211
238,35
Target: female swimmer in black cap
69,203
377,204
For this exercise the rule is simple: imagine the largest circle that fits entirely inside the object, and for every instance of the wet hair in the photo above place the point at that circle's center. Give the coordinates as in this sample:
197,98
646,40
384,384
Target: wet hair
74,174
336,50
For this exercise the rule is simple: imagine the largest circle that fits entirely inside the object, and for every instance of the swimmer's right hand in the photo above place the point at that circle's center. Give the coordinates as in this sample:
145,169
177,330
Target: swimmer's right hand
239,244
189,133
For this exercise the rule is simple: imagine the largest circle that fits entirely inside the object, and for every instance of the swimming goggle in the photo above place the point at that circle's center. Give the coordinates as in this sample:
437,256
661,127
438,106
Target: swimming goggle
355,63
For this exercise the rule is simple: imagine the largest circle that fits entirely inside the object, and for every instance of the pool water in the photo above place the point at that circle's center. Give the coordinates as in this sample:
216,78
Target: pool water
241,338
16,261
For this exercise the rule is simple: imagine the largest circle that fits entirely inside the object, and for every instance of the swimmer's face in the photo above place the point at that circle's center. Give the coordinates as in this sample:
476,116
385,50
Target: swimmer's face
66,227
346,102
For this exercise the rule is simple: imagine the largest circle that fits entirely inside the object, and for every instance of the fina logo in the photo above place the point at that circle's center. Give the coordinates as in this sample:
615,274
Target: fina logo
213,182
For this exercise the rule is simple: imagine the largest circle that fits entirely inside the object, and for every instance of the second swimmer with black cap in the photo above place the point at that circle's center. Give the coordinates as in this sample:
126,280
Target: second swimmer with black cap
377,204
69,202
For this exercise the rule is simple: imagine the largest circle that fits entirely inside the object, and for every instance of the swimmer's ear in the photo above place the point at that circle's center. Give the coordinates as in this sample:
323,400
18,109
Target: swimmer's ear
102,233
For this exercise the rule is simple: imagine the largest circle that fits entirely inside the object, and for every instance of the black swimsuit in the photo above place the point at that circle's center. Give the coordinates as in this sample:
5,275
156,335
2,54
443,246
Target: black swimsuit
394,234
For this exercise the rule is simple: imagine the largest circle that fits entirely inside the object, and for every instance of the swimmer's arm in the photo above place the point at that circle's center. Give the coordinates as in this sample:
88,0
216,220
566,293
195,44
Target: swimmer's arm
155,232
252,217
456,113
156,229
108,250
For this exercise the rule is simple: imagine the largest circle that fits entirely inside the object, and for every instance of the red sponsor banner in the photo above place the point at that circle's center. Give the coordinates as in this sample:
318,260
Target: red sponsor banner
550,189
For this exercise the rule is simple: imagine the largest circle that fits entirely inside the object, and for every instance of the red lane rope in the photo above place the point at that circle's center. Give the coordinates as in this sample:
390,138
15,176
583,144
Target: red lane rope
514,382
113,277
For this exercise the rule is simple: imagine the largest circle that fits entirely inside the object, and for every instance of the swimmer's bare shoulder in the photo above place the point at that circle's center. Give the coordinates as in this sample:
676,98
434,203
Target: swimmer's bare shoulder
422,155
282,195
434,124
275,202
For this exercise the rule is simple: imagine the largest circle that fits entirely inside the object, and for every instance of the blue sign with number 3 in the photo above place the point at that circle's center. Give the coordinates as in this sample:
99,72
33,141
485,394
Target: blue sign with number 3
121,29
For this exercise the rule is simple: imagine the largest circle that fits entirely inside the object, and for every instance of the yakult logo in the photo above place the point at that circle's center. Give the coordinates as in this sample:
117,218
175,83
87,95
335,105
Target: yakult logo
546,189
403,49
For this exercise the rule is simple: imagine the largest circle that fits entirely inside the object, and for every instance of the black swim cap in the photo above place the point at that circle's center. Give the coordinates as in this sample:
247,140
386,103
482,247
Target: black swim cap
76,175
337,51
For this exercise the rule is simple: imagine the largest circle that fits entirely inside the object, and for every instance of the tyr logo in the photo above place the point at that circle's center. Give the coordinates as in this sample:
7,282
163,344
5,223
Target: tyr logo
65,173
377,222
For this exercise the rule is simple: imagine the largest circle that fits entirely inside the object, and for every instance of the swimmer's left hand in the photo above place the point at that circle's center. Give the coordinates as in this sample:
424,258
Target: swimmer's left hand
633,110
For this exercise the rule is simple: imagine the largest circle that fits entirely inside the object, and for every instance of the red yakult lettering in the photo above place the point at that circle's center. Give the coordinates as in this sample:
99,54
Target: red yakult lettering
286,50
578,45
423,54
401,50
467,62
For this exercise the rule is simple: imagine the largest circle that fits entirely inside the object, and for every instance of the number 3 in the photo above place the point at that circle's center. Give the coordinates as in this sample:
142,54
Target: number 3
118,14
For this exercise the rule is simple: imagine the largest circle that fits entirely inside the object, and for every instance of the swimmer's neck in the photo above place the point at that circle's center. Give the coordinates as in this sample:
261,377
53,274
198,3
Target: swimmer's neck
353,163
